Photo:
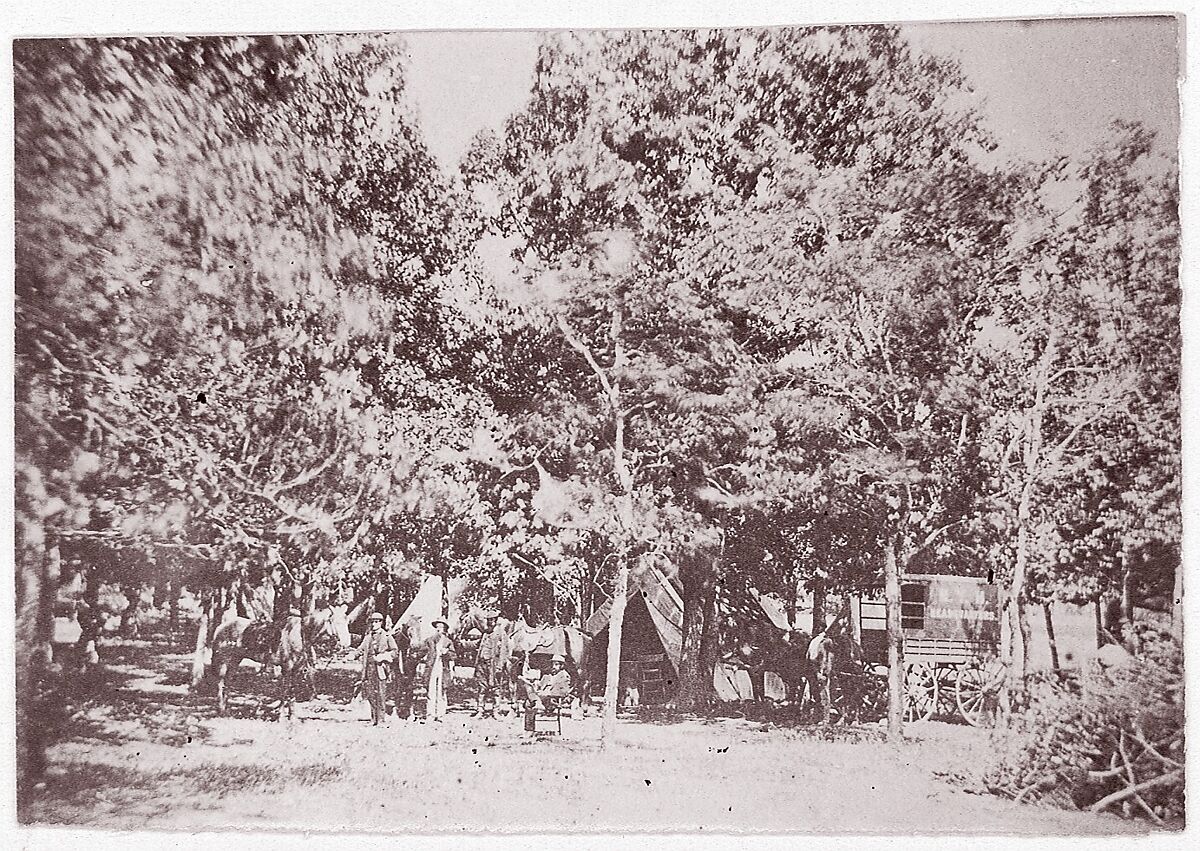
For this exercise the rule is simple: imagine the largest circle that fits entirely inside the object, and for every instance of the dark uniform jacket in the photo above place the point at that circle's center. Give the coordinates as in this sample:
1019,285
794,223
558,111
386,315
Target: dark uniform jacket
373,644
494,650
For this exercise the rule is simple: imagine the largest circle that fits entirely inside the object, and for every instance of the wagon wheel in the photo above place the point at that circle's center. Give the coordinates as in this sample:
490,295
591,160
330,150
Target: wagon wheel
977,690
947,679
920,691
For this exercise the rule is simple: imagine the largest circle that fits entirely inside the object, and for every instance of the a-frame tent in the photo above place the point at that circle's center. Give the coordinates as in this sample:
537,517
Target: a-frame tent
664,608
651,637
426,607
653,627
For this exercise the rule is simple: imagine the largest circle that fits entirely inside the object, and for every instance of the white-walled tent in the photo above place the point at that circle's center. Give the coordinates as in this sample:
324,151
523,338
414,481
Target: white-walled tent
426,606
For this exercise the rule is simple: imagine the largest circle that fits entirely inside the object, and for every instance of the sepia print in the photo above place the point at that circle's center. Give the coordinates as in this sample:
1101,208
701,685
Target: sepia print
725,430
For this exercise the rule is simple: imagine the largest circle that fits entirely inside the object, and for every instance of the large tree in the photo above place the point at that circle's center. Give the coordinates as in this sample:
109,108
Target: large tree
728,160
216,239
1079,355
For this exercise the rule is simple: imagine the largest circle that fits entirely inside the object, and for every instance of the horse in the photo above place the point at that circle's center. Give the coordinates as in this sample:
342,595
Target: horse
548,640
289,643
786,655
405,680
837,662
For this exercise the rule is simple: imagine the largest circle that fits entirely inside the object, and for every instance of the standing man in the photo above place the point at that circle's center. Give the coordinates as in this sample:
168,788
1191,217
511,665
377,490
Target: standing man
491,660
439,657
822,654
379,653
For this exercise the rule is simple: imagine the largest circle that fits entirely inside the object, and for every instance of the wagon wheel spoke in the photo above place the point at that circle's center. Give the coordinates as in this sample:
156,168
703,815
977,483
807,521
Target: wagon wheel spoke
920,691
874,701
946,677
976,690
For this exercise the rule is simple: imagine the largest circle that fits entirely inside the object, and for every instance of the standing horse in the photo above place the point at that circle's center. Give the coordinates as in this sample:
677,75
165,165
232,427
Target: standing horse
528,642
289,643
406,669
837,663
784,654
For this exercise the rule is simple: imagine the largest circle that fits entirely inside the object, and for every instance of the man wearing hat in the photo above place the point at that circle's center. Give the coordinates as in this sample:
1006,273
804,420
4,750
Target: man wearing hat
490,662
439,657
553,685
379,653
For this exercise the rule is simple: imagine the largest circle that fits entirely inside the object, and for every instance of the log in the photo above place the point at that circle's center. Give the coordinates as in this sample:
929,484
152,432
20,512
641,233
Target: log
1153,751
1141,802
1129,791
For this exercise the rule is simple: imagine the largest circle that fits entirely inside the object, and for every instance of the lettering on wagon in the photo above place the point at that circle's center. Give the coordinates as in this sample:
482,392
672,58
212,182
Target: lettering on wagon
946,613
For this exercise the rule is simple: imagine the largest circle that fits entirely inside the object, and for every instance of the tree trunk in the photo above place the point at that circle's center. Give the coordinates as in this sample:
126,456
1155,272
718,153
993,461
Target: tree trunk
1026,635
90,623
1032,462
1016,601
710,639
34,624
818,606
698,592
1177,603
198,656
1131,636
624,477
616,620
129,616
1047,608
1098,608
895,639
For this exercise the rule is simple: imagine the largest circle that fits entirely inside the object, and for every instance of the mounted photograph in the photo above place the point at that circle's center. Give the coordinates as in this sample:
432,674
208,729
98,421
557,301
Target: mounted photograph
767,430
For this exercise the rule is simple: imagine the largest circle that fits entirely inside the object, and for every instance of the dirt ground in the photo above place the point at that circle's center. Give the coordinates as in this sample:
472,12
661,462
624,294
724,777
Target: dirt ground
138,752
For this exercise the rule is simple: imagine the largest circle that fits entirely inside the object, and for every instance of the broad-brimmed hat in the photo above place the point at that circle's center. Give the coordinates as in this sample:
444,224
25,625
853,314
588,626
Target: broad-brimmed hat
439,621
376,616
558,657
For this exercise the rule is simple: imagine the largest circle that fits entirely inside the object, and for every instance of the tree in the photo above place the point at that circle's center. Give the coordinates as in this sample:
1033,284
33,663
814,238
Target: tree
693,142
1080,353
204,317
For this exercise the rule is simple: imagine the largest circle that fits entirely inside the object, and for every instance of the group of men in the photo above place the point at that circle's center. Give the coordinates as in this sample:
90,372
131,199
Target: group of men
382,665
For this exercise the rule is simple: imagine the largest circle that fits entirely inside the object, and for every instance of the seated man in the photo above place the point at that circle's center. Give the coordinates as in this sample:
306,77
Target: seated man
552,687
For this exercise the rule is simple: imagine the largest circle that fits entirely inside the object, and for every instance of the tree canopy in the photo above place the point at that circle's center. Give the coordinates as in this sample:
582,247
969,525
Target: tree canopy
777,318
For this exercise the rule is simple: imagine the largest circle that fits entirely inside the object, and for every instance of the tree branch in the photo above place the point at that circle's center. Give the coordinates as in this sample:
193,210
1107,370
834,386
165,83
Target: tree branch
1129,791
306,477
586,353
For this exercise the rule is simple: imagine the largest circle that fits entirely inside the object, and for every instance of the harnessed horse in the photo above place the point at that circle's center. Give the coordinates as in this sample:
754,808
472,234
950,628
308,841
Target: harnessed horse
786,656
289,643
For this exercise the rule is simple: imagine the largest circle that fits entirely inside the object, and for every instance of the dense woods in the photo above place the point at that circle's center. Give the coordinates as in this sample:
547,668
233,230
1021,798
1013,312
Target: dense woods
775,319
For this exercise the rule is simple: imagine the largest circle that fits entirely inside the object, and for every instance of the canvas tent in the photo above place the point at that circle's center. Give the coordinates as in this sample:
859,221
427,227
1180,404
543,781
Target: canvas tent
426,607
652,642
